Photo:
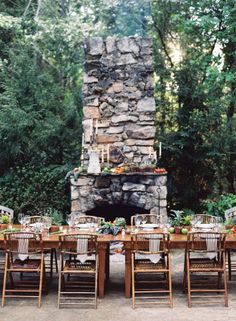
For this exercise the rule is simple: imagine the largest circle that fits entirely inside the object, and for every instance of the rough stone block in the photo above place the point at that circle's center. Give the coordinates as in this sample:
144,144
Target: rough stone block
115,130
89,79
117,87
161,180
91,112
141,132
146,104
110,44
75,206
123,118
133,187
74,193
83,181
131,142
85,191
128,45
158,191
94,46
126,59
106,139
117,197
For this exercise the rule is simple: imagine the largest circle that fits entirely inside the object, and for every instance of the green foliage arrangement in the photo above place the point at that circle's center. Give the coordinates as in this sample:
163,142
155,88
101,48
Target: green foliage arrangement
57,217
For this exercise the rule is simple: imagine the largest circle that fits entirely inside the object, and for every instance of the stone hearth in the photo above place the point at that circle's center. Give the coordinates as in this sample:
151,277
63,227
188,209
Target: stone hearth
145,190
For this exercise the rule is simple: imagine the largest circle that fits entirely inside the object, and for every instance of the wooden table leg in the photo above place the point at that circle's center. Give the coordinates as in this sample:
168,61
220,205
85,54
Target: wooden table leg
101,269
108,262
127,270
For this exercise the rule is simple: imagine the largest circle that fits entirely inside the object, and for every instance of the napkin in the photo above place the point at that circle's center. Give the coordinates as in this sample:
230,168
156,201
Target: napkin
82,248
211,244
154,246
23,246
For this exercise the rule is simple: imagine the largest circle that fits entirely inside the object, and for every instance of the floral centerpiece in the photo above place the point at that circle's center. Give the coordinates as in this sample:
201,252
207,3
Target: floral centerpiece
112,227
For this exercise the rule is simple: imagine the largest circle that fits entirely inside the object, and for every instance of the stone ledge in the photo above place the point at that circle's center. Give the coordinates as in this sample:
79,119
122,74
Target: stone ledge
125,174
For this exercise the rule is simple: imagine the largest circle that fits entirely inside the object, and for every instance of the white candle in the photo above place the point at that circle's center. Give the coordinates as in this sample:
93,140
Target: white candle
108,153
150,151
96,131
102,154
82,140
91,129
160,149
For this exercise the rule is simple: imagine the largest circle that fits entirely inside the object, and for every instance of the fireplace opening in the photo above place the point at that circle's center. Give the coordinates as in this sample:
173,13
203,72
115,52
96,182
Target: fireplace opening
110,212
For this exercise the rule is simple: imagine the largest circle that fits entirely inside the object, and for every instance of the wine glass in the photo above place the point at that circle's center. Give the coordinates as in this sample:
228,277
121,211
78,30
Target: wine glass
46,223
144,219
138,222
21,218
194,221
70,220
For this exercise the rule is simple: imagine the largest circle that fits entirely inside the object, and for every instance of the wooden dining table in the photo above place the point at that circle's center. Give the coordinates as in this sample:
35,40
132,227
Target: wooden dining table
177,241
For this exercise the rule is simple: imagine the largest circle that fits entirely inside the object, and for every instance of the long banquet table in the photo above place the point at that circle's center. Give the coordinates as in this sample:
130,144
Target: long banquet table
177,241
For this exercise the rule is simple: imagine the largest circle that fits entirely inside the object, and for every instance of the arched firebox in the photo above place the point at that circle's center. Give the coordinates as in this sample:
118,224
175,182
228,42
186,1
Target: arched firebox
110,212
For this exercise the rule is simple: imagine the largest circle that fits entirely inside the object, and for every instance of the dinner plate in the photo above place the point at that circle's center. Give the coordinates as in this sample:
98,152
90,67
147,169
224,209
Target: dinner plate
205,226
85,226
148,226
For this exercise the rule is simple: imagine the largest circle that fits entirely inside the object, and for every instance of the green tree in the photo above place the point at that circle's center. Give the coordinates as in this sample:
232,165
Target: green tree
195,95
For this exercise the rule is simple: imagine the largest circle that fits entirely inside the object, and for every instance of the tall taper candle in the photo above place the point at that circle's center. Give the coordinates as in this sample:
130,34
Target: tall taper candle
82,140
160,149
102,154
96,130
108,154
150,151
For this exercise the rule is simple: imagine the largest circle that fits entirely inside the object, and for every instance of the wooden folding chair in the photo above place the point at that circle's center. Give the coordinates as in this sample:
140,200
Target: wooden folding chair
7,211
88,219
78,271
50,257
206,219
230,214
204,260
151,270
10,213
24,254
149,218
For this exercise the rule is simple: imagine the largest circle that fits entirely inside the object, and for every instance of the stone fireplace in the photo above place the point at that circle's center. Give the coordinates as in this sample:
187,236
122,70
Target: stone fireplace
119,127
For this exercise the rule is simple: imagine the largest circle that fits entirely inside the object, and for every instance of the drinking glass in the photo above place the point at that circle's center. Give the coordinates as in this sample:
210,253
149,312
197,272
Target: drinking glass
46,223
21,218
25,220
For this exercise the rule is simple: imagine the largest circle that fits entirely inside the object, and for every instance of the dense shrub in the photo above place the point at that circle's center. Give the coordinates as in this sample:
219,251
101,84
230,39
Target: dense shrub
32,189
217,206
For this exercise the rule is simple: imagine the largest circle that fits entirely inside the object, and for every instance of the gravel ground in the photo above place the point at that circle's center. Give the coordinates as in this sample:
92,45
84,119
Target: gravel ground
116,307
